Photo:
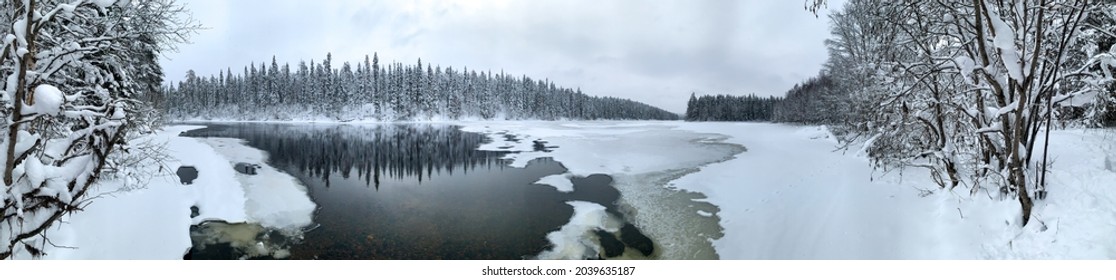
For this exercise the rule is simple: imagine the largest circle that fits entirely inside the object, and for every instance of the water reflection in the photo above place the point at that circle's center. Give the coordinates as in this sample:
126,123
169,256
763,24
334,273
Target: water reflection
395,151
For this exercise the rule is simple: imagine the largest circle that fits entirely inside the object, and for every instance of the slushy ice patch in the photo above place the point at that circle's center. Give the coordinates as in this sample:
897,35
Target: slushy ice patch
221,240
597,229
576,240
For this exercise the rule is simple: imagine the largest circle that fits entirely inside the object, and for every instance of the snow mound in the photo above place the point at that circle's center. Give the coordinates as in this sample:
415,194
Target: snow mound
46,100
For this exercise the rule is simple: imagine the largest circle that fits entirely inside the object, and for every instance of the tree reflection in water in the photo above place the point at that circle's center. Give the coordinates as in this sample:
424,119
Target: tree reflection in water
397,151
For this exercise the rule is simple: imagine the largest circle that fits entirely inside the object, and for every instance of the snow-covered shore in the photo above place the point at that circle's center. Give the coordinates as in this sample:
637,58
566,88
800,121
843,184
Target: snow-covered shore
152,221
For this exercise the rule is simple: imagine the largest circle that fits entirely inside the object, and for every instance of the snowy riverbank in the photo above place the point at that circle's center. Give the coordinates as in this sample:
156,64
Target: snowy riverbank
792,197
152,221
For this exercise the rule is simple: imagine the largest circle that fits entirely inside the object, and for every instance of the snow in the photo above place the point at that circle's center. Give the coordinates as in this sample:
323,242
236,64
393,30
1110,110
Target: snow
1004,39
275,199
965,64
601,147
1077,99
20,29
47,99
67,9
33,169
795,199
1079,213
218,195
118,113
25,142
1107,60
103,3
152,221
558,181
572,240
1007,109
994,127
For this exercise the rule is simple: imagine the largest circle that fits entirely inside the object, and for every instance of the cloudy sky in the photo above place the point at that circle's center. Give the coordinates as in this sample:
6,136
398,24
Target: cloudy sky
655,52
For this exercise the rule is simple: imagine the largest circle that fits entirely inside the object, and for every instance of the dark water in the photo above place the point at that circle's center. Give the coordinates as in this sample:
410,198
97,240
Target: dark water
412,191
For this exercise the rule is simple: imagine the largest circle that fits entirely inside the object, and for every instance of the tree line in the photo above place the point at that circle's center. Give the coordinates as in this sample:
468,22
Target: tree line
814,101
730,108
395,91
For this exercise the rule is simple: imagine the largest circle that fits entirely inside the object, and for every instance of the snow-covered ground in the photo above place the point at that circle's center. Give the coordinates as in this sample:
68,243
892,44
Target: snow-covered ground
152,221
700,190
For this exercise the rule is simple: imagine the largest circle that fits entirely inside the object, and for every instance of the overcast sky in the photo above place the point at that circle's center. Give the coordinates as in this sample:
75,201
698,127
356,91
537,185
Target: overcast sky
655,52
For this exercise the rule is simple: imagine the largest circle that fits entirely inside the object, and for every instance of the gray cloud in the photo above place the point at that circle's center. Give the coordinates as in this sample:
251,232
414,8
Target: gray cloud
655,52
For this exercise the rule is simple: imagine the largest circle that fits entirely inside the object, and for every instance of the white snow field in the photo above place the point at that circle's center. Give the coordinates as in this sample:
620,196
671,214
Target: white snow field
700,190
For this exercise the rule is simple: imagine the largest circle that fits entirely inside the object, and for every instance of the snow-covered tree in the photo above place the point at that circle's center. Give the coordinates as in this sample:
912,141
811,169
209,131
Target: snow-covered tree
965,88
74,70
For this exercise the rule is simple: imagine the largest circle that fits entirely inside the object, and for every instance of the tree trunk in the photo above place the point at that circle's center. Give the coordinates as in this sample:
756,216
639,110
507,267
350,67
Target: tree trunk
1026,202
21,91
